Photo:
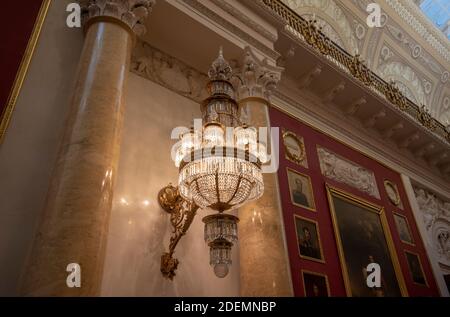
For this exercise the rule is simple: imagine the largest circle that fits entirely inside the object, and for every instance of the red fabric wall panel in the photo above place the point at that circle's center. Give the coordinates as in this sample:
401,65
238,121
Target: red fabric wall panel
332,268
16,25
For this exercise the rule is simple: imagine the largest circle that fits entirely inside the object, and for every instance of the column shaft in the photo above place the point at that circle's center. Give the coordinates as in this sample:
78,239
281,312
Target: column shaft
73,226
263,256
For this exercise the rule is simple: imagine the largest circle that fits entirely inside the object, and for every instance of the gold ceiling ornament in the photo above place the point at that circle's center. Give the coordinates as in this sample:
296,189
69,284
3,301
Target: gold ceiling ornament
219,169
314,37
424,117
394,95
358,69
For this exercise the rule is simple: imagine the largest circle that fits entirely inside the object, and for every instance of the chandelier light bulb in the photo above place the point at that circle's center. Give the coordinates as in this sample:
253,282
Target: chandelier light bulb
246,137
221,270
213,135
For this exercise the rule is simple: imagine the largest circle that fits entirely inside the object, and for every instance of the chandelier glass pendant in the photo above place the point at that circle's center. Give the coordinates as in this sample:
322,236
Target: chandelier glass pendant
220,166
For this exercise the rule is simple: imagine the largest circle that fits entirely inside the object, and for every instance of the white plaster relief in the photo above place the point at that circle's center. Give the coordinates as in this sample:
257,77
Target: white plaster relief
169,72
409,12
436,217
347,172
409,83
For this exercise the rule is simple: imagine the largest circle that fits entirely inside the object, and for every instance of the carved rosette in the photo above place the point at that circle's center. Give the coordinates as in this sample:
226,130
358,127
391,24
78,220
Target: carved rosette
255,77
131,12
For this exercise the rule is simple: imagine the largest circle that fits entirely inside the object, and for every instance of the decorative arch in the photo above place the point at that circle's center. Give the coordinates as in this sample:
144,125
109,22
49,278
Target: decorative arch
406,79
330,17
443,109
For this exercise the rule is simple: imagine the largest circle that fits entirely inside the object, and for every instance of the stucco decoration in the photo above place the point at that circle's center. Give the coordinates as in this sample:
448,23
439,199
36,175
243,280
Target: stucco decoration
406,79
330,16
347,172
444,112
169,72
436,217
132,12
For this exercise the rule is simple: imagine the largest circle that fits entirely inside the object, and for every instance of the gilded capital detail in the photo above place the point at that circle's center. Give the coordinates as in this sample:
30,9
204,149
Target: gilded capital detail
132,12
255,77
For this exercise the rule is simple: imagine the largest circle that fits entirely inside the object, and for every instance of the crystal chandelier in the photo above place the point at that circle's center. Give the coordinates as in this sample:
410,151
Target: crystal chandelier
219,166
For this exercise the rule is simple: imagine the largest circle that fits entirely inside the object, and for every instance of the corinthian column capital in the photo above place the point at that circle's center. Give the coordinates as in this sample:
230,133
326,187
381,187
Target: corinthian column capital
131,12
255,77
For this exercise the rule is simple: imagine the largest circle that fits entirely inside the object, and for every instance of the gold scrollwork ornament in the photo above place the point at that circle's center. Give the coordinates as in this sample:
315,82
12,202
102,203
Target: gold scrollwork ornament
295,155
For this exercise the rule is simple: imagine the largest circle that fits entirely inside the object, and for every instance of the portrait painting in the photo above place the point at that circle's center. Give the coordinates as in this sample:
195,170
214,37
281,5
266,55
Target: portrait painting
300,189
403,229
294,148
308,239
363,237
415,268
315,284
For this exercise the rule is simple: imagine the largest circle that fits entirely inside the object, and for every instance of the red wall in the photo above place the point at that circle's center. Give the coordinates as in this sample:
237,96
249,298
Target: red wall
17,20
332,267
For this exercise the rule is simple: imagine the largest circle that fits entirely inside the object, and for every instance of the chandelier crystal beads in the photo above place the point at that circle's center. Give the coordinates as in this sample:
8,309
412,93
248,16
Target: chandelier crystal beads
220,166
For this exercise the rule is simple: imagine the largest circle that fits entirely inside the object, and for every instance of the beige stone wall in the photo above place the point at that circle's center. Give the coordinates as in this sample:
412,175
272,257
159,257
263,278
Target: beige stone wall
139,229
28,152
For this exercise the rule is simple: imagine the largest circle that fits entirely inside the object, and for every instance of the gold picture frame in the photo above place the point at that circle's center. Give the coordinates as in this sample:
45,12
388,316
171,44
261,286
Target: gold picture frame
358,202
8,110
324,276
319,241
408,228
290,154
396,201
411,273
305,179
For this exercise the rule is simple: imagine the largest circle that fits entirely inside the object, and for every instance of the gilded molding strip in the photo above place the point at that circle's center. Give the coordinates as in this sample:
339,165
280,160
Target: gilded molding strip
308,32
23,69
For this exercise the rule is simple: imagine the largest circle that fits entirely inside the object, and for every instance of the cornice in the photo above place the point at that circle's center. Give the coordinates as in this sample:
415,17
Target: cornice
216,18
245,19
360,140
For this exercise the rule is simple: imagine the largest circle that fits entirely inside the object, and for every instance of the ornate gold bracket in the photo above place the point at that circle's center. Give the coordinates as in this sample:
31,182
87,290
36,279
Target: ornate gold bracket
182,214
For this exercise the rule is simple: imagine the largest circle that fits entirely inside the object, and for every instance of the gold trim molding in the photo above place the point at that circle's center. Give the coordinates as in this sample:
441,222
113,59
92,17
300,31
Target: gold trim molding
23,69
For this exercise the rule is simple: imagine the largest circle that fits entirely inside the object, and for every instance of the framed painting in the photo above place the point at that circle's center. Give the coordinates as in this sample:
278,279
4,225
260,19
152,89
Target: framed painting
294,148
315,284
403,228
416,268
308,239
301,190
363,237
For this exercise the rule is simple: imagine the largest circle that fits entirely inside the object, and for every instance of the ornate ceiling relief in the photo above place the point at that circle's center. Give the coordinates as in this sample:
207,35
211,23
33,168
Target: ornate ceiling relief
411,14
330,17
434,85
168,71
444,111
344,171
436,217
406,79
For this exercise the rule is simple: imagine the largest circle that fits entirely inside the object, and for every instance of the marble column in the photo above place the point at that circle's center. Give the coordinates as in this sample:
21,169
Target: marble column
74,223
264,266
